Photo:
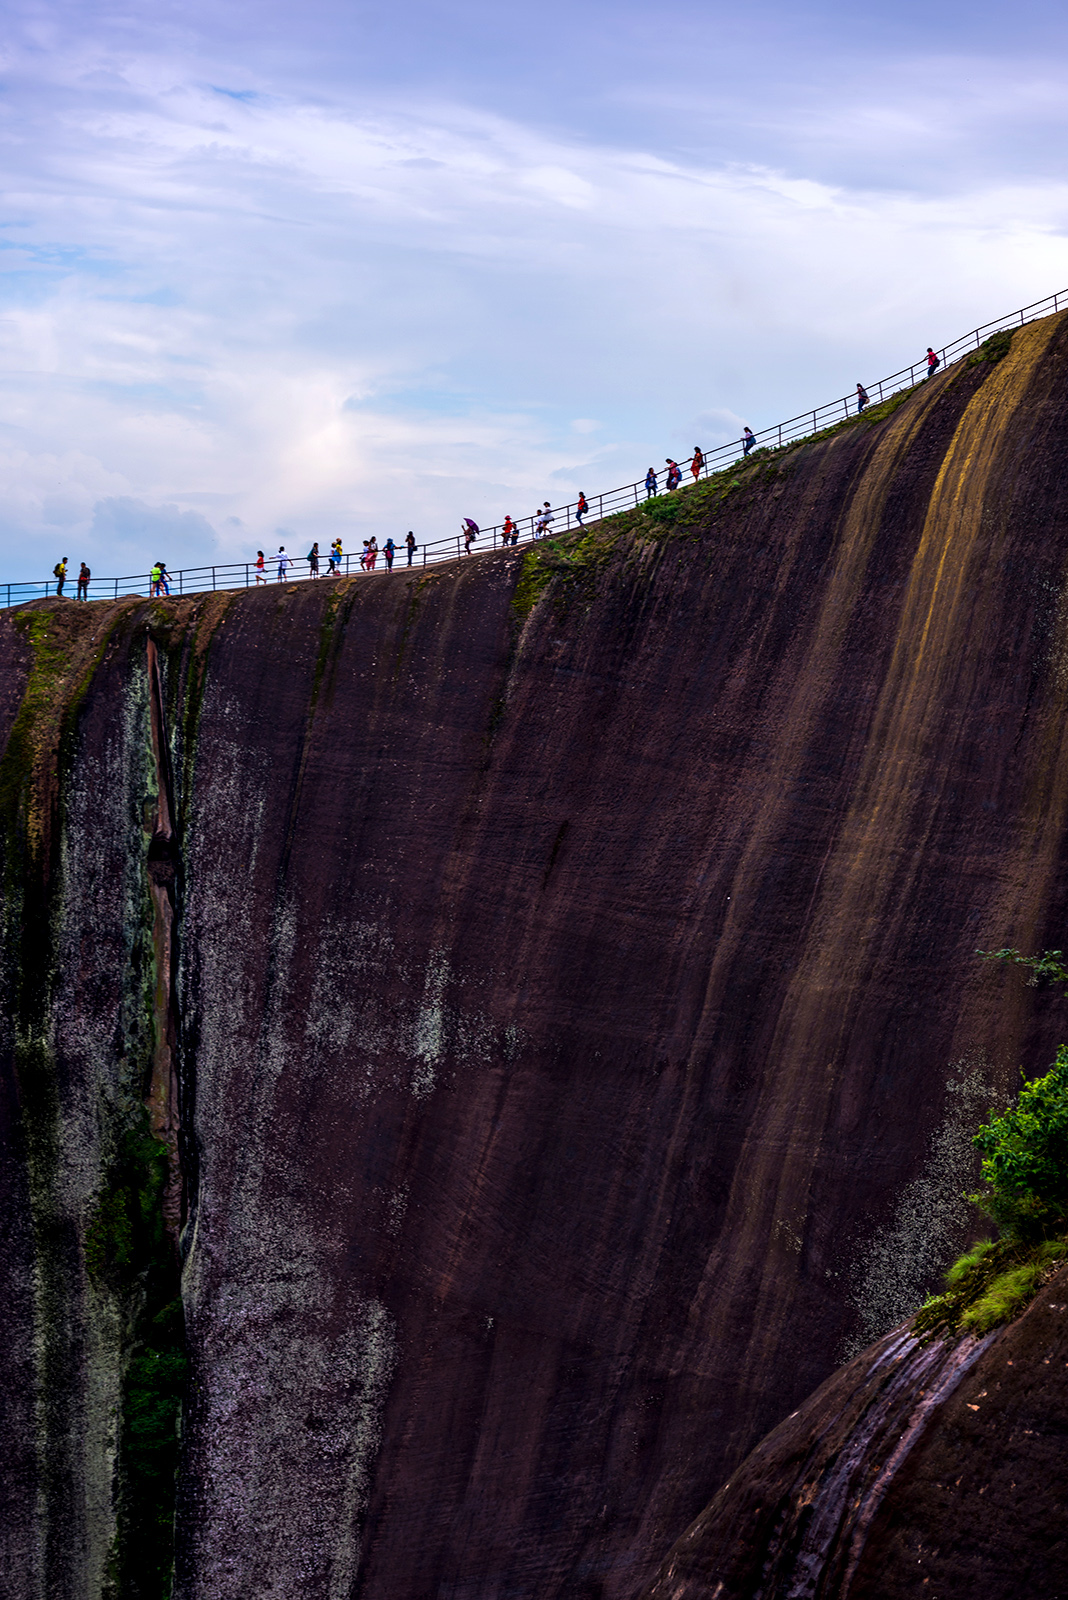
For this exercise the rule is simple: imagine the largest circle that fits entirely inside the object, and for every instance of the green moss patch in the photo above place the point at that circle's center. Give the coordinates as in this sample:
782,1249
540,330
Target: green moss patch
988,1286
996,348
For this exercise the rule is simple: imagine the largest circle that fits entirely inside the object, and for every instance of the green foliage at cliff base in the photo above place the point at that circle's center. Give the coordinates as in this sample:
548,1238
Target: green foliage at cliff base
1025,1177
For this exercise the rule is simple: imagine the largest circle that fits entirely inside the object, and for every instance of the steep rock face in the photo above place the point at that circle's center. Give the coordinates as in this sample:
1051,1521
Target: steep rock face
573,1019
918,1470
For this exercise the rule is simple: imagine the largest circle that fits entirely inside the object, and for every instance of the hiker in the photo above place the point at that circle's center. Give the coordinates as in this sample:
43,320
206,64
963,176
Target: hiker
365,558
335,558
164,578
83,582
862,398
748,440
313,560
674,474
582,508
507,530
650,484
545,516
155,579
261,576
390,550
697,463
59,572
410,545
284,563
470,532
932,362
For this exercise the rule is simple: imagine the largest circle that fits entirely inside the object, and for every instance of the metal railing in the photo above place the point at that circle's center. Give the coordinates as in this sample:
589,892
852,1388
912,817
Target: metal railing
244,574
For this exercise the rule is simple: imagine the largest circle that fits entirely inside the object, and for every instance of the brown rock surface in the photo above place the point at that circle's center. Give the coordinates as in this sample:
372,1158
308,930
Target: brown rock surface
935,1471
577,1020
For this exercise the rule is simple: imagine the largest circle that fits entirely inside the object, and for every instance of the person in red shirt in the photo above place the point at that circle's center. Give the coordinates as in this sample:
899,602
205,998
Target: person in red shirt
697,464
582,508
932,362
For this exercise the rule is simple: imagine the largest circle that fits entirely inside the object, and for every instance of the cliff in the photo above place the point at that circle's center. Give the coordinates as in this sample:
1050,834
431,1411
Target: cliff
533,1007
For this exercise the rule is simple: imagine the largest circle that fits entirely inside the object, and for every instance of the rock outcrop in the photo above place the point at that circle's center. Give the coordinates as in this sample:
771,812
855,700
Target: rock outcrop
546,1017
920,1470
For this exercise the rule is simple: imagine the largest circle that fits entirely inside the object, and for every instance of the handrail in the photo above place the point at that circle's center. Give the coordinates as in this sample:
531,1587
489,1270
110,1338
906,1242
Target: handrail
243,574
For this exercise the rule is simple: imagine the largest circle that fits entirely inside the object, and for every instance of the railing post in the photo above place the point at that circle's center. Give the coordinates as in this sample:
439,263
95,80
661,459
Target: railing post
213,578
116,588
780,435
246,574
424,554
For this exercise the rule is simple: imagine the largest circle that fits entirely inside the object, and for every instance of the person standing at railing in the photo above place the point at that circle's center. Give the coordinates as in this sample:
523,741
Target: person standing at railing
389,550
335,559
674,474
580,510
650,484
469,529
313,560
83,582
260,565
155,579
748,440
506,530
698,462
59,572
283,563
164,579
932,362
862,398
410,545
545,518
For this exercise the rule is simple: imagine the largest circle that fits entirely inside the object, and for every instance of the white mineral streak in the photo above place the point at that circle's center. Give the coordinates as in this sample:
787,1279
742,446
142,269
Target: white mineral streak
899,1263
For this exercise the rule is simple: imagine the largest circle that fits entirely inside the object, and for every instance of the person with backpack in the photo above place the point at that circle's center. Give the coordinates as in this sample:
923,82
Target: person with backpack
313,560
748,439
389,550
83,582
506,530
582,508
862,398
674,474
698,462
410,545
650,484
59,572
259,564
932,362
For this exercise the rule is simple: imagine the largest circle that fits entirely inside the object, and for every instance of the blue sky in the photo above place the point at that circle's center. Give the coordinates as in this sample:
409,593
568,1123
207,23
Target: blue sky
275,272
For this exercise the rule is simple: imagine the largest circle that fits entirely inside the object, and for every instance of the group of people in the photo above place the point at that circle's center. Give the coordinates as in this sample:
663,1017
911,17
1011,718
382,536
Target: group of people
368,558
541,521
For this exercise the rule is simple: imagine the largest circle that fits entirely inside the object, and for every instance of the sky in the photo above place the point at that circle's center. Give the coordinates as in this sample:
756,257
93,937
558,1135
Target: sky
274,272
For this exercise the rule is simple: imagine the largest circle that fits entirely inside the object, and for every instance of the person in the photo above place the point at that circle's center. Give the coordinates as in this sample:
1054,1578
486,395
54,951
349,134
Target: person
674,474
283,563
748,439
470,531
862,398
59,572
582,508
335,558
164,579
411,545
932,362
697,463
155,579
261,576
506,530
650,484
372,553
83,582
390,550
545,516
365,558
313,560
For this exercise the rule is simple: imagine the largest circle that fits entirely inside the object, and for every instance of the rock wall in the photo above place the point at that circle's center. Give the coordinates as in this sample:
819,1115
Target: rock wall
566,1019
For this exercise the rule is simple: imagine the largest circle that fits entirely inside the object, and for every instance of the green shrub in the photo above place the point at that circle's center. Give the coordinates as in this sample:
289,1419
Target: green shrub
1025,1159
992,349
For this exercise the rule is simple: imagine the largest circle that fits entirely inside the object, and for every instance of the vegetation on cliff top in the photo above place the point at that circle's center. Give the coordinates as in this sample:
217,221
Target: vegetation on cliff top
1025,1194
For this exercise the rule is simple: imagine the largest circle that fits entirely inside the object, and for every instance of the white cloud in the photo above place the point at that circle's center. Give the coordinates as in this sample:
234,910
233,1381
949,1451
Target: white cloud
240,313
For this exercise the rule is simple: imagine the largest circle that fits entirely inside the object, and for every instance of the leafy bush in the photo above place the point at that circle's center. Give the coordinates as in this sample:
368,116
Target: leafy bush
1025,1159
